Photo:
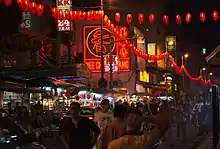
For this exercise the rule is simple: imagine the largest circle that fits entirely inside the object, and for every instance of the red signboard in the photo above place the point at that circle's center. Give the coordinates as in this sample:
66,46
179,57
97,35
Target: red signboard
92,48
64,25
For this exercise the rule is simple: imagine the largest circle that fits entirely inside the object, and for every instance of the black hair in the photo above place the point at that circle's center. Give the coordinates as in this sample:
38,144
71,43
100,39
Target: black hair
134,111
120,111
104,102
75,104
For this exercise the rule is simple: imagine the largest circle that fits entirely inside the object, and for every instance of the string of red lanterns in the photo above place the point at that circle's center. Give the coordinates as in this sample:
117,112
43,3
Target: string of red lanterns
182,70
38,9
165,18
116,32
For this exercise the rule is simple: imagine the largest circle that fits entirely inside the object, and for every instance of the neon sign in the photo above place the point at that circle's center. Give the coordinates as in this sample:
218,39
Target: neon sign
92,49
64,25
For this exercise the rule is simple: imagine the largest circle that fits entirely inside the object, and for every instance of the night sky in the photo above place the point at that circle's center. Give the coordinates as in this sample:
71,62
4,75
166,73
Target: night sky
206,34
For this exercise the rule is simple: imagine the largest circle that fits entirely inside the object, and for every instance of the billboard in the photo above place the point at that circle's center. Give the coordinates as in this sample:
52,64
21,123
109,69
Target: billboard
92,48
64,25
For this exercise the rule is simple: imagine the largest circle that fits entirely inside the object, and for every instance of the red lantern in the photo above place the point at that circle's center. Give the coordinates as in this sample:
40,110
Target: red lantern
202,16
26,5
178,19
140,18
188,17
67,14
40,10
32,7
101,14
71,15
151,18
60,15
129,18
92,13
117,17
54,12
215,15
7,2
105,19
21,4
166,19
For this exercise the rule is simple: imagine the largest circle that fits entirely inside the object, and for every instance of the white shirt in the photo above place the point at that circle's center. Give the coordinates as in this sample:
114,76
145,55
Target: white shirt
102,118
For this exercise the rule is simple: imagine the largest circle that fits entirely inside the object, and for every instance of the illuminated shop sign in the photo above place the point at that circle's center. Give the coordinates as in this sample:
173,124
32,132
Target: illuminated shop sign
92,49
115,63
170,43
26,20
64,25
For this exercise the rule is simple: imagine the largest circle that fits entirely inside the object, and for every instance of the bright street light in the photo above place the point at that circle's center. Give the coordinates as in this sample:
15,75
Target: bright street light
186,55
204,69
210,73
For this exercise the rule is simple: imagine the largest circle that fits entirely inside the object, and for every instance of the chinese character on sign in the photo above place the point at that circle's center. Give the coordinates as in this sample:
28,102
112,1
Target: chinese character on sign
96,41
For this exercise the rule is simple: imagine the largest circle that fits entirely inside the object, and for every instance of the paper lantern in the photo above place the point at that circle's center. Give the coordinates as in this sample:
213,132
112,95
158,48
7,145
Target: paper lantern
26,5
188,17
60,15
21,4
151,18
140,18
40,10
54,12
129,18
166,19
215,15
117,17
32,8
7,2
178,19
202,16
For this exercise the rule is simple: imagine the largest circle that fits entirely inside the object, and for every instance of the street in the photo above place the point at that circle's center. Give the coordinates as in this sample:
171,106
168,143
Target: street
173,143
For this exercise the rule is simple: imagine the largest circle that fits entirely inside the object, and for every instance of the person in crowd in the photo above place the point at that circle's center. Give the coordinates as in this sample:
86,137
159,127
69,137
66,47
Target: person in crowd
153,107
134,138
180,121
17,108
115,129
202,115
132,105
126,104
36,119
23,118
104,116
10,110
78,132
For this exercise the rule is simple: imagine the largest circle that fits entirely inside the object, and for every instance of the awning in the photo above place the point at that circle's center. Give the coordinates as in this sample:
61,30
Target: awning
19,89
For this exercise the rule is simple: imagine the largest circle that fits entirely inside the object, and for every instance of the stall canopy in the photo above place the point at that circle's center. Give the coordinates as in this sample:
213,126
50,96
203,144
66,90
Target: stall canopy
47,81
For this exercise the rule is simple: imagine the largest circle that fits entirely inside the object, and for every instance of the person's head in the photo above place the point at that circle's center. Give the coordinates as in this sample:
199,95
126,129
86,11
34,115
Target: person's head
105,105
75,109
132,105
120,111
132,118
17,103
126,104
9,105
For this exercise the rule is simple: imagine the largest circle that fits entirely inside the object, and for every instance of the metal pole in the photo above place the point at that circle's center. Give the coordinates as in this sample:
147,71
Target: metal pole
102,56
215,116
111,69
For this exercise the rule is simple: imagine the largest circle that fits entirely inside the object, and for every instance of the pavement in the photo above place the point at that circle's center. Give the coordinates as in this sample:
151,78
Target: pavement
172,142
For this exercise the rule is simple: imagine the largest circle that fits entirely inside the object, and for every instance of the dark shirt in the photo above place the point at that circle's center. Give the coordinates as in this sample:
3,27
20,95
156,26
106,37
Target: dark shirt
80,137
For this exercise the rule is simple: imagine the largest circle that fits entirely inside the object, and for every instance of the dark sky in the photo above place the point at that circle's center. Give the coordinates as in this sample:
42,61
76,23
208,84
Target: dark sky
206,34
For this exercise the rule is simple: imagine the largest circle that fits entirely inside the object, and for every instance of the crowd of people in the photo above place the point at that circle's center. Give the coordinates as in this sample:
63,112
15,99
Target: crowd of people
127,126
